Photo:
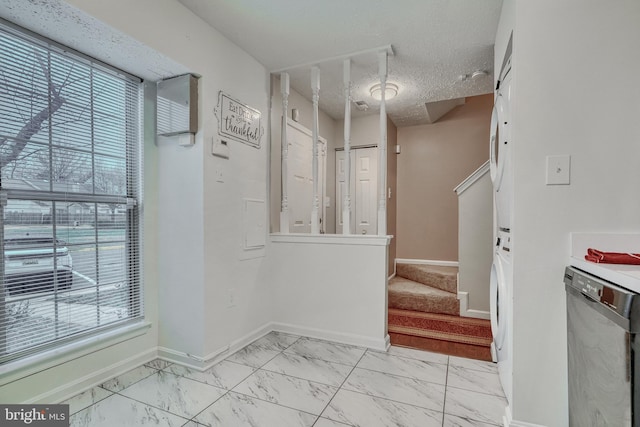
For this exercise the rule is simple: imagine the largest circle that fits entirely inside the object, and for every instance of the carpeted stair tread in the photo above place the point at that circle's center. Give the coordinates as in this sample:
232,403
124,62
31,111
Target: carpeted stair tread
454,335
436,276
407,294
443,336
441,323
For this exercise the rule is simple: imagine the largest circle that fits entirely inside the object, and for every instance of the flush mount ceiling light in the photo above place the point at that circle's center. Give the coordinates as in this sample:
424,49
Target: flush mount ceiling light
474,76
478,73
391,90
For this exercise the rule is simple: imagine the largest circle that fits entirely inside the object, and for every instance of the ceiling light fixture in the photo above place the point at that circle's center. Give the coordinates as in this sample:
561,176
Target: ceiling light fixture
478,73
390,91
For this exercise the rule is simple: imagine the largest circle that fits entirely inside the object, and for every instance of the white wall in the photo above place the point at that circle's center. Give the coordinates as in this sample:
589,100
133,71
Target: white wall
194,225
331,287
475,243
575,68
200,220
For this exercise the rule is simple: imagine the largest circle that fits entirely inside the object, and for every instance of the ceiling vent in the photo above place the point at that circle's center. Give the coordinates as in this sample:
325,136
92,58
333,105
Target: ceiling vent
361,105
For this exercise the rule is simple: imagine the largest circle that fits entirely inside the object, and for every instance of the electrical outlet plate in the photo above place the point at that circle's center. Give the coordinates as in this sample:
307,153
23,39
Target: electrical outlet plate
558,170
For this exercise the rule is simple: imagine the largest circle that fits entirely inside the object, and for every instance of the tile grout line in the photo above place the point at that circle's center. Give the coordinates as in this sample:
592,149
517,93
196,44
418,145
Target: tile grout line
448,370
231,390
227,391
340,388
402,376
446,387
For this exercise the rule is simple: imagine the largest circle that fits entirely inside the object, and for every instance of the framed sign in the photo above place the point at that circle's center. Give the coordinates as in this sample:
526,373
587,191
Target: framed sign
238,121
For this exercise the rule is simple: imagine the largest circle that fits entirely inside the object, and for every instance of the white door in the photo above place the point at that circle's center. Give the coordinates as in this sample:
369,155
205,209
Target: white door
300,178
364,173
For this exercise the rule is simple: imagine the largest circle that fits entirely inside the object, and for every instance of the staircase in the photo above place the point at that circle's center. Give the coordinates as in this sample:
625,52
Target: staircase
424,312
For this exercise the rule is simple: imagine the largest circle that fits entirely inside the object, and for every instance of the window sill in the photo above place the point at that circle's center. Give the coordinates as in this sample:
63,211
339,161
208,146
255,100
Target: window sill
13,371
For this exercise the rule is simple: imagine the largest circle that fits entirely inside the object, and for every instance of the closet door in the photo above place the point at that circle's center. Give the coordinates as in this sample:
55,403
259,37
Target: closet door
365,175
363,190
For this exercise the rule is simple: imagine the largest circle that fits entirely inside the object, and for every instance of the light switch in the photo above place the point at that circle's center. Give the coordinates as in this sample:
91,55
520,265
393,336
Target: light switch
558,170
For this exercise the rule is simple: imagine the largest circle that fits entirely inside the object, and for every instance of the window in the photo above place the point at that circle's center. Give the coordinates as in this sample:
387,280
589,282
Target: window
70,161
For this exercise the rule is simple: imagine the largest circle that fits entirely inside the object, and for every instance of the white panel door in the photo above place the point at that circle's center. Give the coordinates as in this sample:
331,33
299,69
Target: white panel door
300,178
364,174
340,183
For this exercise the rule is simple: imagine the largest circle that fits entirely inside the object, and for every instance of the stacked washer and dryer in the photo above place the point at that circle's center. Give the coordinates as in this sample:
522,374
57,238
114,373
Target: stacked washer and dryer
501,167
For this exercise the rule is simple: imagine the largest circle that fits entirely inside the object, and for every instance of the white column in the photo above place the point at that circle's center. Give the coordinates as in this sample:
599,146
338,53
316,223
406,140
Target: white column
284,207
382,148
315,89
346,202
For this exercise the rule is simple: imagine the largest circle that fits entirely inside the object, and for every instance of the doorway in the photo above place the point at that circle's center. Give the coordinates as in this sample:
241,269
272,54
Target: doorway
363,186
300,177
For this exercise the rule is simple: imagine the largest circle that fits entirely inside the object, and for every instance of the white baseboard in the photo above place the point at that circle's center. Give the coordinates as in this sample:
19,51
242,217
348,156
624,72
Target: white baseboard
508,420
95,378
465,311
199,363
202,363
392,276
427,262
381,344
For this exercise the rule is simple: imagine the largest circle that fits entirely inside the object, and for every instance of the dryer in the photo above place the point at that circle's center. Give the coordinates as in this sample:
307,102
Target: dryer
500,147
501,284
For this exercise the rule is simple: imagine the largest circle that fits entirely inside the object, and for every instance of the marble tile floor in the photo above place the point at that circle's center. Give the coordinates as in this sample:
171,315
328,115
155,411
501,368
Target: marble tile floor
282,380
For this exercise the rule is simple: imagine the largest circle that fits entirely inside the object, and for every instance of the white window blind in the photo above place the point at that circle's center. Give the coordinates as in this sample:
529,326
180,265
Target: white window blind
70,193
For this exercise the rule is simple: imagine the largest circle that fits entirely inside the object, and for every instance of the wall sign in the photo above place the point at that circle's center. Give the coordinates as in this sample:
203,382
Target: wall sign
238,121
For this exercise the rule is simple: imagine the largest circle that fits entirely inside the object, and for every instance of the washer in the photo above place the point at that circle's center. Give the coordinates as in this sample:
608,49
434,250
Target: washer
500,147
501,286
500,306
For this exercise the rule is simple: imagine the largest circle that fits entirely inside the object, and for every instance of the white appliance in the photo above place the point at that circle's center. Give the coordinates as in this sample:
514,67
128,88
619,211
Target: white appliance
500,160
501,168
500,306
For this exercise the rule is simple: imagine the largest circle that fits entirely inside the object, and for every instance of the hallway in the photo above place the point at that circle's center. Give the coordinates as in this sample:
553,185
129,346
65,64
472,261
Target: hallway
283,380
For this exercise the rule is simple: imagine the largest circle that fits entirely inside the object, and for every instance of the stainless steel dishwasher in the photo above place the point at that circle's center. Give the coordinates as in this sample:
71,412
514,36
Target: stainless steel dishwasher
602,322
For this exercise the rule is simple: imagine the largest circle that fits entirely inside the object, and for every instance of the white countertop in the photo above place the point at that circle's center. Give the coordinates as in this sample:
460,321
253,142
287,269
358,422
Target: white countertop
626,276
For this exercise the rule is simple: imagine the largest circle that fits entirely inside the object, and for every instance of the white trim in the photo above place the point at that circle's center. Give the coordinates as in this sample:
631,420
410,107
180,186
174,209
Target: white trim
202,363
465,311
95,378
199,363
392,275
339,337
331,239
24,367
427,262
508,420
471,179
387,47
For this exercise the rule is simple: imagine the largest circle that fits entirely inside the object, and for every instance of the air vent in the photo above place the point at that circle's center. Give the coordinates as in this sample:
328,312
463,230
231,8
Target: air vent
361,105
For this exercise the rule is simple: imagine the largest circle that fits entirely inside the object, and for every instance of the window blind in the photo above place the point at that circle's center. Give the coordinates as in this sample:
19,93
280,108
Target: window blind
70,195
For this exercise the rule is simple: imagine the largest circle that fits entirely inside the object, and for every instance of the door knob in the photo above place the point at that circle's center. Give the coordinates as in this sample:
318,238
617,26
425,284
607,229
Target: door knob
364,231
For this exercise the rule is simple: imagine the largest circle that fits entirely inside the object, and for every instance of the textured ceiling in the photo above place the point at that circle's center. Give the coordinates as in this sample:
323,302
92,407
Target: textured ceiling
59,21
434,42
